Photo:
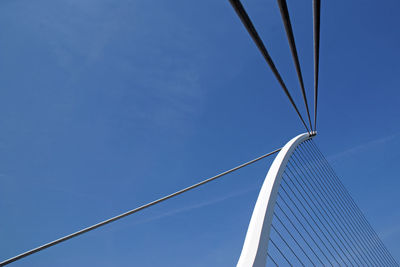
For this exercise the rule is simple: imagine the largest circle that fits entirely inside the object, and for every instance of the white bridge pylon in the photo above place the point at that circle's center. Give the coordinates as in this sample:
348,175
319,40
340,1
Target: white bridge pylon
255,247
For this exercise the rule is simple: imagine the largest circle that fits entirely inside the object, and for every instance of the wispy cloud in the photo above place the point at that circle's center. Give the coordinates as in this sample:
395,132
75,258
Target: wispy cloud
391,232
363,147
197,206
155,66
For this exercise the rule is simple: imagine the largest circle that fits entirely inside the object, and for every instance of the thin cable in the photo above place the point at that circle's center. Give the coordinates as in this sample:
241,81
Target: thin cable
294,239
343,209
283,255
308,223
297,230
347,204
322,201
241,12
363,219
336,205
289,33
335,209
316,21
65,238
318,216
356,210
351,203
268,255
328,209
312,218
286,243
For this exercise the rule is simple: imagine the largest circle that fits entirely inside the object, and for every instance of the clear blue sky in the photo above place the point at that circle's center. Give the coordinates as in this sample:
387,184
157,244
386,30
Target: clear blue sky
106,105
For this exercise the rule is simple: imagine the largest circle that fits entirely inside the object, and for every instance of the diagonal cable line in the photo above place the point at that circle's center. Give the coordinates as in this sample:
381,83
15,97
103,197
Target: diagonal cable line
298,231
293,238
343,192
327,223
346,205
343,210
241,12
289,33
286,243
324,207
349,201
316,21
306,221
90,228
276,264
329,211
324,231
332,201
336,205
280,252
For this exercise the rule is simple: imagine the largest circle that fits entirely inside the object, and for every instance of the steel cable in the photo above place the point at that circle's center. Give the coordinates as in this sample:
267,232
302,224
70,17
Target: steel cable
298,231
322,200
359,232
350,203
356,210
268,255
289,33
280,251
308,223
294,239
241,12
90,228
334,200
316,22
317,216
329,210
339,213
286,243
346,206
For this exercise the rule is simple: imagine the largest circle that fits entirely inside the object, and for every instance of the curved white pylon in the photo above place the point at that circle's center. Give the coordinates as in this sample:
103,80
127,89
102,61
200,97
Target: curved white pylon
254,251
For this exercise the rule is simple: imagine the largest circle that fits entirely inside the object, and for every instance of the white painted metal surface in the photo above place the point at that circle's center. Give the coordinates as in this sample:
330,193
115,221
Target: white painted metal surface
254,251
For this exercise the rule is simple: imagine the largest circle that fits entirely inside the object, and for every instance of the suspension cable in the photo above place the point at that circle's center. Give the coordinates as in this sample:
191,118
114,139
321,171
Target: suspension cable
276,264
350,203
301,235
362,245
342,210
280,251
293,238
307,221
286,243
311,217
345,205
241,12
316,21
321,199
289,33
85,230
331,235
